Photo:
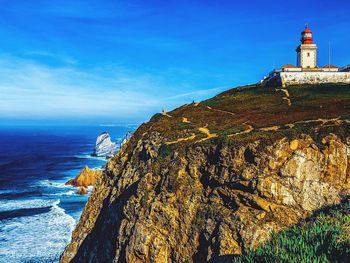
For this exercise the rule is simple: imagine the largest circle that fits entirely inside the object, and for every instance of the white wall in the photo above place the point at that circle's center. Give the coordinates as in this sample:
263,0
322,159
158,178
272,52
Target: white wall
295,78
308,58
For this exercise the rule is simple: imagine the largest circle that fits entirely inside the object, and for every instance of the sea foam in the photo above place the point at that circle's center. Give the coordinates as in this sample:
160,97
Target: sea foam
38,238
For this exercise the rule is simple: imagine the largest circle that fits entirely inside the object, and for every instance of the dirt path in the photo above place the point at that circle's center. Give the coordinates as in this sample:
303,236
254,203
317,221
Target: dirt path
287,96
248,130
206,131
185,120
164,113
182,139
272,128
222,111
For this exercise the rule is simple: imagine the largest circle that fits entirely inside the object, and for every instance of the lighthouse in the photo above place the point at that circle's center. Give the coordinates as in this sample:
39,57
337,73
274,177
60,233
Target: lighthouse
307,71
307,51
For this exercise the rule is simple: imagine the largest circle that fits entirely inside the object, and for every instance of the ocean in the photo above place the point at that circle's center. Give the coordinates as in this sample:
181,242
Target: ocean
37,211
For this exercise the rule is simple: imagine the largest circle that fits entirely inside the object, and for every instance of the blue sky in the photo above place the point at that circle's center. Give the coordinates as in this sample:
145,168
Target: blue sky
90,61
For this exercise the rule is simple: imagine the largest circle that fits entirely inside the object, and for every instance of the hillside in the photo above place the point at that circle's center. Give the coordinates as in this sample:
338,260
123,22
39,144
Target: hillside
214,179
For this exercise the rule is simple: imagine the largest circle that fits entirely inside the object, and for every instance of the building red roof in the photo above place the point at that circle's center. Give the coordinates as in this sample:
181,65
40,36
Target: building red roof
307,30
289,66
330,66
306,36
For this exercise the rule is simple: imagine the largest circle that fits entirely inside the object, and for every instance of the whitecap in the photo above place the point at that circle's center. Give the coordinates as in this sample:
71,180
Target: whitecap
70,192
38,238
50,183
6,205
88,156
7,191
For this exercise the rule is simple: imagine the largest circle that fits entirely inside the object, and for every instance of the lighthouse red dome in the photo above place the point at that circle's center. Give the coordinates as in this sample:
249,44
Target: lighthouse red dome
306,36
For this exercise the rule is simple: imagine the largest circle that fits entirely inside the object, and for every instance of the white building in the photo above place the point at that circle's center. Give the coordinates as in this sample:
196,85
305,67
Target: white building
307,71
307,51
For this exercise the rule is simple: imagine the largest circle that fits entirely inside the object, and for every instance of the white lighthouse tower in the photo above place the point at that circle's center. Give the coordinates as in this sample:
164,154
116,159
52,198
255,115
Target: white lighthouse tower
307,51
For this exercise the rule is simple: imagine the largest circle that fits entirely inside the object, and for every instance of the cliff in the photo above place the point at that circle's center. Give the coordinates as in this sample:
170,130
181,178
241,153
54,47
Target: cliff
214,179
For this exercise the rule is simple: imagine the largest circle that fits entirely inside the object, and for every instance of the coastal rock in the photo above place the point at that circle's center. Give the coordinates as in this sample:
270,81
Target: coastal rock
87,177
70,182
82,190
104,146
175,194
125,139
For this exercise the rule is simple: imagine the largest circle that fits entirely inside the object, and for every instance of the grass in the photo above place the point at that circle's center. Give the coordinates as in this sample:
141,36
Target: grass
233,130
325,238
233,110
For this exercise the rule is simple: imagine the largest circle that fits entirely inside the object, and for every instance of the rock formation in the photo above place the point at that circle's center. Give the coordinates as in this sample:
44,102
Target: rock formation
104,147
82,190
87,177
125,139
211,180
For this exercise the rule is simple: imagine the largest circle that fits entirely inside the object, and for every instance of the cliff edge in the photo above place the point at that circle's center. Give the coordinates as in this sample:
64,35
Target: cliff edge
210,180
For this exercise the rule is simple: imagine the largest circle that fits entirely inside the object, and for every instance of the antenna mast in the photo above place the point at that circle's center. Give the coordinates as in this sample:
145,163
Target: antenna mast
329,55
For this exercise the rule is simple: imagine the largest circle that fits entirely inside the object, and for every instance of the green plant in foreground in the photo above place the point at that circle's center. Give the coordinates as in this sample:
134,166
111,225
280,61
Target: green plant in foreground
324,239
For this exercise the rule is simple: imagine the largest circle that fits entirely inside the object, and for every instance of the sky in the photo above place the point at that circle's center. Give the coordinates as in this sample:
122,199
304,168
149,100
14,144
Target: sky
120,62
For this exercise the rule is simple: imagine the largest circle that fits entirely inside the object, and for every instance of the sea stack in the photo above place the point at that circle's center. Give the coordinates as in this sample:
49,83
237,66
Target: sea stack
87,177
104,146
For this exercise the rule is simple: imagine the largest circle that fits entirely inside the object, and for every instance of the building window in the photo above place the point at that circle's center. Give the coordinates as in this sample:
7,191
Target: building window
308,54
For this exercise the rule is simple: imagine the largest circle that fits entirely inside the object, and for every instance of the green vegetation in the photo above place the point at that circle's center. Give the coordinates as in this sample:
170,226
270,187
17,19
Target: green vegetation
262,109
233,130
163,151
156,116
184,125
211,103
325,238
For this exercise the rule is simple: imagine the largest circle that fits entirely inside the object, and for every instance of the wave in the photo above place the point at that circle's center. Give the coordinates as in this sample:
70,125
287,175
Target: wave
18,194
88,156
5,205
37,238
51,183
68,193
24,212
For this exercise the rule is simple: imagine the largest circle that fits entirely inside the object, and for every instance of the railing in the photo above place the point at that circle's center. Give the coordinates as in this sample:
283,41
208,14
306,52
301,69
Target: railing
345,68
275,71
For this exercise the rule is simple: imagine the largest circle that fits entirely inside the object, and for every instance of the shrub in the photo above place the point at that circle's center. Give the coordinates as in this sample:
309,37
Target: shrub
326,239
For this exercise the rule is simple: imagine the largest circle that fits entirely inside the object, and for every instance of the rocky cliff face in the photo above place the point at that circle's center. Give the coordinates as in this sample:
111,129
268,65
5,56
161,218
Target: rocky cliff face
205,182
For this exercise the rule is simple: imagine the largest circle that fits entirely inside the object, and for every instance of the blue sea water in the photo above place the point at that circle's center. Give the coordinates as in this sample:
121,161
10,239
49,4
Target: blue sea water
37,211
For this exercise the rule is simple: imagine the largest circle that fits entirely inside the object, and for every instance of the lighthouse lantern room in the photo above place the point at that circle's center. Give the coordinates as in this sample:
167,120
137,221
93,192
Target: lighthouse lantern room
307,51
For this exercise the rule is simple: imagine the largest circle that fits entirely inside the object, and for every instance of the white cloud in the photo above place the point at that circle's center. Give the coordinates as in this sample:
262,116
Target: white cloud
29,89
